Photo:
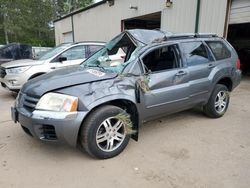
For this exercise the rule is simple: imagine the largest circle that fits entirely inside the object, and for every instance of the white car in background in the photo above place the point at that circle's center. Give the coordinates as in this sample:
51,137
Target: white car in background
16,73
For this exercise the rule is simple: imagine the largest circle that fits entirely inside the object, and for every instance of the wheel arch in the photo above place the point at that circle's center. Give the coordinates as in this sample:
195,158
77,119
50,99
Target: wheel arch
36,74
126,104
226,81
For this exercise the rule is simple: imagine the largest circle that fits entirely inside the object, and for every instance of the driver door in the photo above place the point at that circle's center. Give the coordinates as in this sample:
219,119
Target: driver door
167,82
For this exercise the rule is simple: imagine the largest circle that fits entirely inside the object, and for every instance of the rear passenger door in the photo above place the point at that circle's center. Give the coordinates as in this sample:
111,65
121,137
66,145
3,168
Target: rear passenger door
200,63
167,82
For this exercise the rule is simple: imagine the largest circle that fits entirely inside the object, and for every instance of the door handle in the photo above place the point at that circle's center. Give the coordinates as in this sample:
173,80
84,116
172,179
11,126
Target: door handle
53,68
211,65
180,73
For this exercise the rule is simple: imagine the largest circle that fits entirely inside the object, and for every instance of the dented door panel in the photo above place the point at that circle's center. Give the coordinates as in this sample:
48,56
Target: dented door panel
168,92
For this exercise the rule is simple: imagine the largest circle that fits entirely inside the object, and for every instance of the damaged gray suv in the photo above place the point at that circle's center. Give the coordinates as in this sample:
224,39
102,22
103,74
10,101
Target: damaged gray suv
101,104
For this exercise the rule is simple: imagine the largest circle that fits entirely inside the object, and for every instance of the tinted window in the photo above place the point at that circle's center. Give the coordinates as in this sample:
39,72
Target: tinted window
195,53
161,59
74,53
25,51
94,49
219,50
7,52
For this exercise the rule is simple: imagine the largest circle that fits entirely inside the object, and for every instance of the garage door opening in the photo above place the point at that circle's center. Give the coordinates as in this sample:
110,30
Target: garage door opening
150,21
239,37
239,31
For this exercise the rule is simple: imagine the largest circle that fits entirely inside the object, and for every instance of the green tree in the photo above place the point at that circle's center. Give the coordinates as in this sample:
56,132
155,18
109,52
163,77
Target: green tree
71,5
27,21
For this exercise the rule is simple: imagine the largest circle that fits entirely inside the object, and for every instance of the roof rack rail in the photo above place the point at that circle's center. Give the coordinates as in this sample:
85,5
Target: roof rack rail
191,35
200,35
179,36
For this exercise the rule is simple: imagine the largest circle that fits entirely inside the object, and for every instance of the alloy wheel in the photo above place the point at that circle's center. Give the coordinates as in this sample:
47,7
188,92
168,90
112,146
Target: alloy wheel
221,101
110,134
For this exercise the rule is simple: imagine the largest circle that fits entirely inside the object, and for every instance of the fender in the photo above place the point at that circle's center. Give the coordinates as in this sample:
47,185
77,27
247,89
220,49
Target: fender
119,97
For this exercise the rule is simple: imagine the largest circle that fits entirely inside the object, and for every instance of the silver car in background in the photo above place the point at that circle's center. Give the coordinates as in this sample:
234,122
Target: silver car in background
16,73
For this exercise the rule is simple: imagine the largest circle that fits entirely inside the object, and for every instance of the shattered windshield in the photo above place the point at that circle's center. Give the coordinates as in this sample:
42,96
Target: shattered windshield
116,54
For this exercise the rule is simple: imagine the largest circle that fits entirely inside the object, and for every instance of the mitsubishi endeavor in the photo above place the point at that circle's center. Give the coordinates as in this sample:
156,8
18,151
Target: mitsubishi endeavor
100,104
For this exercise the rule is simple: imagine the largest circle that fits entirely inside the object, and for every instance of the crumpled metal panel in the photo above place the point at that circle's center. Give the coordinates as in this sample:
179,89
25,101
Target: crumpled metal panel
148,36
94,93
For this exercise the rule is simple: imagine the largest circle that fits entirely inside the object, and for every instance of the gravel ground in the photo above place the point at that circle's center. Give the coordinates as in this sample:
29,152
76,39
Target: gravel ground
182,150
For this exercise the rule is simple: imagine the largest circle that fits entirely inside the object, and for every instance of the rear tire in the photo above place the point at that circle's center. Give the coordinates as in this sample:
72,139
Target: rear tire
218,102
103,135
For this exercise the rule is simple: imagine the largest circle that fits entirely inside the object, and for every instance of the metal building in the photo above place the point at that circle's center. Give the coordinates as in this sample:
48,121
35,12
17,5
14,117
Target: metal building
102,20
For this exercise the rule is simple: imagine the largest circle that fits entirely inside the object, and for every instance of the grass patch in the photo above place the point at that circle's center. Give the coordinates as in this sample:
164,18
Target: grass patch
125,119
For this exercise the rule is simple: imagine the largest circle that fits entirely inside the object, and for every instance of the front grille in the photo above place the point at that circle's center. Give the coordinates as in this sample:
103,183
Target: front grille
2,72
30,102
48,132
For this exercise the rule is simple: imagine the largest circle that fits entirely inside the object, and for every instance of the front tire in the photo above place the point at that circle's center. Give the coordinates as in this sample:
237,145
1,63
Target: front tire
103,135
218,102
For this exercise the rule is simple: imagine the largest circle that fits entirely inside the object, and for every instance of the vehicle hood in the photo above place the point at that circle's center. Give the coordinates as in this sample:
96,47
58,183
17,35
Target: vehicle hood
64,78
22,63
147,36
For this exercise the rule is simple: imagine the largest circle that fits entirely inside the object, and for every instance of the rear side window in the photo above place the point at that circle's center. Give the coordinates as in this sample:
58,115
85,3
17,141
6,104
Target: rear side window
195,53
219,50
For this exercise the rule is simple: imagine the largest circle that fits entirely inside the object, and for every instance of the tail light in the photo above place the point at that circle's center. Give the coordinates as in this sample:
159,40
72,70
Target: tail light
238,64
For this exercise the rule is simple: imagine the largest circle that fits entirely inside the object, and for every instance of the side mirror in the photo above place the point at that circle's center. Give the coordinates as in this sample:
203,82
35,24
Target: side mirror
61,59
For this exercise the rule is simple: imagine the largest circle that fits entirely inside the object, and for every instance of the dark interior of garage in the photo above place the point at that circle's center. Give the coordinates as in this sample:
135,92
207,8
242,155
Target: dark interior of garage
239,37
150,21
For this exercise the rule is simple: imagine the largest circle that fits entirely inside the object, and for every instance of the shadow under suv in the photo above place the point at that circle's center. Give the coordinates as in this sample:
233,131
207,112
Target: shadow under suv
101,105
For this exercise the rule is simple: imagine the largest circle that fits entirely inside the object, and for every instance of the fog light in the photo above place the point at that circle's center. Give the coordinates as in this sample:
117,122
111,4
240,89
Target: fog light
13,82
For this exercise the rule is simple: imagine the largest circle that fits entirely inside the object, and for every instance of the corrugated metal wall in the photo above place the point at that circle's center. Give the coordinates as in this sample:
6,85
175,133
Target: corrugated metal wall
61,27
180,17
103,22
213,16
240,12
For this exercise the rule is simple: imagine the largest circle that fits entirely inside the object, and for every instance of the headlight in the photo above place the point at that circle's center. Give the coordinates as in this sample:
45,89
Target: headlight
57,102
17,70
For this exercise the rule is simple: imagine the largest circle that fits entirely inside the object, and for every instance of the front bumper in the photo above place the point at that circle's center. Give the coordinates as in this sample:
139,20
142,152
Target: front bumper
50,126
13,82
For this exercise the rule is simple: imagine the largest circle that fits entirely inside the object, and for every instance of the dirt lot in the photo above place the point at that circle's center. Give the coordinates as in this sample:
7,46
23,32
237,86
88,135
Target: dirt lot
182,150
